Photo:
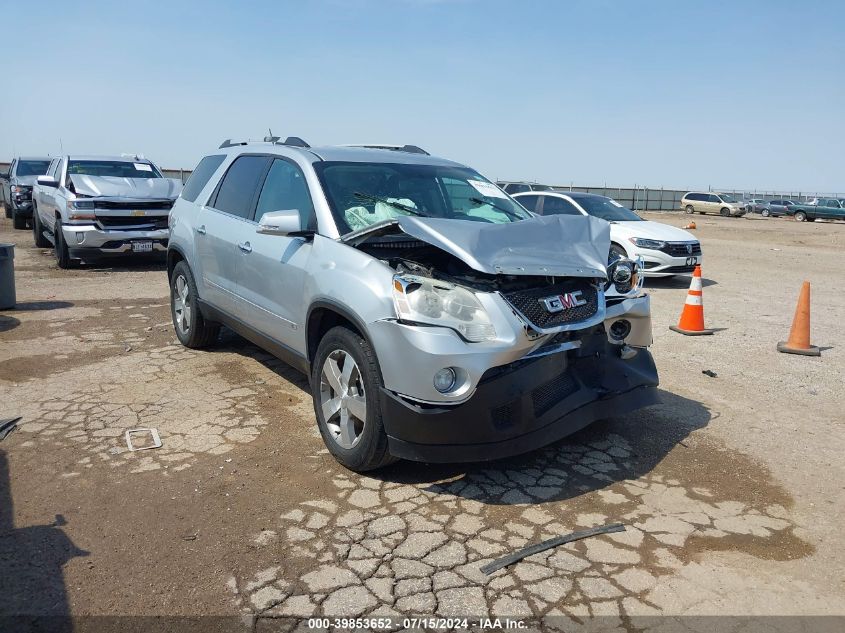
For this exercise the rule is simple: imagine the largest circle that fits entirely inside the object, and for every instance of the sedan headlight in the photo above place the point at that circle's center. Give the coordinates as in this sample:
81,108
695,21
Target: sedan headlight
643,242
434,302
624,275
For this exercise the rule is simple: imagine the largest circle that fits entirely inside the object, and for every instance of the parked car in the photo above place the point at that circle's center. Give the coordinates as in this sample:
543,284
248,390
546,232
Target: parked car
721,203
665,250
17,186
756,205
818,208
437,319
95,206
519,187
778,208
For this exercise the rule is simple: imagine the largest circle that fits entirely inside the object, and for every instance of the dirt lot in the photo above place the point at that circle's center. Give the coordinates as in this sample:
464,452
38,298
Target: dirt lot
732,490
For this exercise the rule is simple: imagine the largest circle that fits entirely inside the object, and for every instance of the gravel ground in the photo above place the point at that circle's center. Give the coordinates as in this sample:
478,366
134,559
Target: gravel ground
732,489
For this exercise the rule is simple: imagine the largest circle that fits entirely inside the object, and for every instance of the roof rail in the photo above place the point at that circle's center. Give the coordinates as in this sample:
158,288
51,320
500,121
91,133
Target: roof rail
293,141
410,149
228,143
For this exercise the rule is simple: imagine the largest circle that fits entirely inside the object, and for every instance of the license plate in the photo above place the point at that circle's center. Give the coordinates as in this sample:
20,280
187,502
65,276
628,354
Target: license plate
692,261
142,247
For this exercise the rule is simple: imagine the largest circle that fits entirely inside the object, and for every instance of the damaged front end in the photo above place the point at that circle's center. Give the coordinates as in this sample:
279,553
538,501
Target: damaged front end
506,337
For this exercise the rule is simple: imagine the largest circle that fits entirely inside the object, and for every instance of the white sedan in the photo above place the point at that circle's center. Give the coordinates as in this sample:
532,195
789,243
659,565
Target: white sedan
665,250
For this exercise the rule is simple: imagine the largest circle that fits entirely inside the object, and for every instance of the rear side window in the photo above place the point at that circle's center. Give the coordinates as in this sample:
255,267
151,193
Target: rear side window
200,176
237,191
285,189
558,206
529,202
517,188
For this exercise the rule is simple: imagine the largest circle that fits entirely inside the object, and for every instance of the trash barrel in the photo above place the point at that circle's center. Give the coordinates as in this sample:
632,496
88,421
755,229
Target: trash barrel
7,276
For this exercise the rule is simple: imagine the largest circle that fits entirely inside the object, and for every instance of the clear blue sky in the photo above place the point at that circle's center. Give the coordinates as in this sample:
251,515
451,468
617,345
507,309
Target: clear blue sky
672,93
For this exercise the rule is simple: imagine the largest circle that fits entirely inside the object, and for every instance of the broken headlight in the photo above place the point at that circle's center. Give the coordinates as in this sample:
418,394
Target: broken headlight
434,302
624,275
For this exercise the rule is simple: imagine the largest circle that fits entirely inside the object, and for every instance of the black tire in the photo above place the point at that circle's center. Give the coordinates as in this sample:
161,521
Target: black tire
18,221
689,209
800,216
371,450
192,328
725,212
60,249
7,209
616,252
38,230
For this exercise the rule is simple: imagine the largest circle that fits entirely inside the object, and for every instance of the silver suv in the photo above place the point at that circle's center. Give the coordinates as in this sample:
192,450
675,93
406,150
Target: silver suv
437,319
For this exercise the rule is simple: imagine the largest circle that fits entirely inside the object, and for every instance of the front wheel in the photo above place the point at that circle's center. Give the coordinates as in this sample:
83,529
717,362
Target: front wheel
765,213
616,252
8,210
191,327
345,385
725,212
800,216
18,221
38,230
689,209
63,258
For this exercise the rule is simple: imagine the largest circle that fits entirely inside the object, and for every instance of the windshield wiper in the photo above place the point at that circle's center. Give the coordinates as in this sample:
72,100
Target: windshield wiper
507,212
392,203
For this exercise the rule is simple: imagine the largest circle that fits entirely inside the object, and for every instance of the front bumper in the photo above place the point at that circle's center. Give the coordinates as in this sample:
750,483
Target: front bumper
660,264
524,406
89,240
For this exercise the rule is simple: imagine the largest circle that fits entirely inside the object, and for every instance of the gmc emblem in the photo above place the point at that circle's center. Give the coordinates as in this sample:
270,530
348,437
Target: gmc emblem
565,301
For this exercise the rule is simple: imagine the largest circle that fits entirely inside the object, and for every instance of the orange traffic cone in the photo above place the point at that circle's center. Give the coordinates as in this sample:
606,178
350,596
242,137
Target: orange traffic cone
691,225
692,316
799,335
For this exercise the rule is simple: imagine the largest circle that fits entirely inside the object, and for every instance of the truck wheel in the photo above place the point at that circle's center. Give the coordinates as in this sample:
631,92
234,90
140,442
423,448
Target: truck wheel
725,212
800,216
689,208
345,384
7,209
63,258
191,327
38,230
18,221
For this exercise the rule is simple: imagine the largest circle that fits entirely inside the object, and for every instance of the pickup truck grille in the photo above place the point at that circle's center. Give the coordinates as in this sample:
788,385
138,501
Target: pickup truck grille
165,205
124,222
679,249
529,303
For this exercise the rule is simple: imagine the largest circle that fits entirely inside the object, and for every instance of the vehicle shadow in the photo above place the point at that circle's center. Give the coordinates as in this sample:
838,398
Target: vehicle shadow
676,282
230,341
8,323
608,451
34,306
34,596
126,264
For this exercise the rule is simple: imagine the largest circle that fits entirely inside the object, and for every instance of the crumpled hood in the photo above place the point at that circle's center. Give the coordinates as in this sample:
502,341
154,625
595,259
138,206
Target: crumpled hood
136,188
556,245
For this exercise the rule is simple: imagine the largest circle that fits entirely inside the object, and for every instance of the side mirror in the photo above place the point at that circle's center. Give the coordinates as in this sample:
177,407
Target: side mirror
280,222
48,181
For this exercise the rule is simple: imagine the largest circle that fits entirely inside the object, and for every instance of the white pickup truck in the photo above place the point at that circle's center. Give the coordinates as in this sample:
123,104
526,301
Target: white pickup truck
93,206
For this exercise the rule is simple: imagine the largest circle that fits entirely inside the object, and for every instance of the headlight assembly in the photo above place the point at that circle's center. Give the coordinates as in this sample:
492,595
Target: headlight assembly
643,242
434,302
624,275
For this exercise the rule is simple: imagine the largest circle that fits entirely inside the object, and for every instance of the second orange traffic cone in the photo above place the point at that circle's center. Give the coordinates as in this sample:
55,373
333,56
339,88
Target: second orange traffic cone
691,322
799,335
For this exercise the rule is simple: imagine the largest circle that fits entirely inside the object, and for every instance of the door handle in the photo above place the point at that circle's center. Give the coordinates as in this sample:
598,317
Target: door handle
201,229
245,247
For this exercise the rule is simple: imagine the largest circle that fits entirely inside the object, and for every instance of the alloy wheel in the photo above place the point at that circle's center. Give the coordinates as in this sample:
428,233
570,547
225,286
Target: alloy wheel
182,305
343,399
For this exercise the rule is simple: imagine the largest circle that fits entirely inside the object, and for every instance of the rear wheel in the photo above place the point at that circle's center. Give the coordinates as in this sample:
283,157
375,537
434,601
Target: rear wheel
192,329
345,385
800,216
689,208
38,230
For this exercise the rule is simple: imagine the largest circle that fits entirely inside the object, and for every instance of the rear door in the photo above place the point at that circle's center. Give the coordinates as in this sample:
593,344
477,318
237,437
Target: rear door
272,273
224,227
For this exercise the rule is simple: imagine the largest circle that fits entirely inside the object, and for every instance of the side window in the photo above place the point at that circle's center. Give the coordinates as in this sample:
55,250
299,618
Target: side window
285,189
558,206
529,202
237,191
713,198
695,197
517,188
200,176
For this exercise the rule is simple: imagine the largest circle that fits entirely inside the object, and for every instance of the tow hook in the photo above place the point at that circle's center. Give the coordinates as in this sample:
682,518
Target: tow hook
626,352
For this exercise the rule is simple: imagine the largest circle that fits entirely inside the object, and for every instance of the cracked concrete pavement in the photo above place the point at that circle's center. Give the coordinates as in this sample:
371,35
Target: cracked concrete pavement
731,490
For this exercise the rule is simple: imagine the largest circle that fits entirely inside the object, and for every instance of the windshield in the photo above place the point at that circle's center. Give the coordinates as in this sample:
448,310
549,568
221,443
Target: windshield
113,168
726,198
607,209
32,167
361,194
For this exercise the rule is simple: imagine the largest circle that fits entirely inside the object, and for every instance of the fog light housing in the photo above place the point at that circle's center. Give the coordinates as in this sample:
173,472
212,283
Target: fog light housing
80,237
445,380
620,329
